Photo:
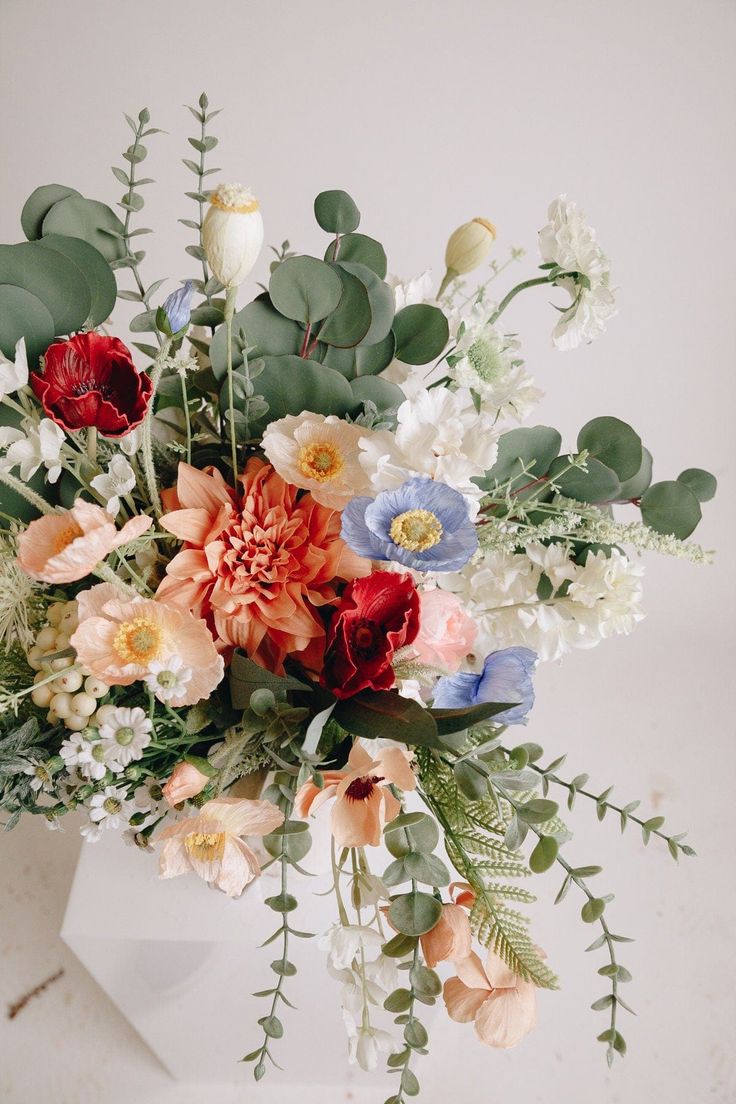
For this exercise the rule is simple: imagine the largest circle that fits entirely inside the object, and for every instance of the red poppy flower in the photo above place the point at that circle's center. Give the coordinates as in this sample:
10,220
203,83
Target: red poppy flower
91,380
377,615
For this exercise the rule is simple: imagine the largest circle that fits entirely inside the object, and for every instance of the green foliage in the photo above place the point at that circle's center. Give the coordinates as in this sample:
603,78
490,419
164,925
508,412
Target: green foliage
523,454
305,289
421,333
701,483
671,507
359,249
336,212
613,443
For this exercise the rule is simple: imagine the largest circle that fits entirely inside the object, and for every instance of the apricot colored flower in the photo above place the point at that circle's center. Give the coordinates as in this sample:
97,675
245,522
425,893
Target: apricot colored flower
64,547
212,845
501,1004
446,632
363,802
120,637
185,782
450,938
260,569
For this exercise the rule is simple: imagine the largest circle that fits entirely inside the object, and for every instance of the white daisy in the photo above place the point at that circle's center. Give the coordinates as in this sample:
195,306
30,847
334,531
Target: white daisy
570,243
109,809
168,679
124,736
40,776
118,480
39,446
319,454
88,757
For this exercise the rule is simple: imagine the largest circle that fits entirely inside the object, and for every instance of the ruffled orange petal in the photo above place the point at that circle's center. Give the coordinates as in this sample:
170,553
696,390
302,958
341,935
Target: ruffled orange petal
461,1002
450,938
394,764
507,1016
358,823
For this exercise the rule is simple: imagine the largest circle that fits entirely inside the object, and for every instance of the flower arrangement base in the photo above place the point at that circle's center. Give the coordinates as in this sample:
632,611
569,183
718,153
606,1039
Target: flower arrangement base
181,962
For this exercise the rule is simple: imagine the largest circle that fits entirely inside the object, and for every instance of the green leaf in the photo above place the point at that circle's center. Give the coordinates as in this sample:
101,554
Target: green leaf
291,385
38,205
266,332
281,902
381,392
636,486
472,779
614,443
398,1001
701,483
272,1026
399,946
544,854
537,811
409,1082
425,981
96,223
22,314
94,270
386,714
670,507
247,676
414,913
305,289
411,832
593,909
427,869
362,250
336,212
457,720
598,484
416,1035
52,278
523,455
421,333
381,298
350,321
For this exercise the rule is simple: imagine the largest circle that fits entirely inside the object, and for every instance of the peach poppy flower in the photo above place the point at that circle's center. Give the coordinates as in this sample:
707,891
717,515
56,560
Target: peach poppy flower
363,802
450,938
121,639
212,845
185,782
260,568
61,548
501,1004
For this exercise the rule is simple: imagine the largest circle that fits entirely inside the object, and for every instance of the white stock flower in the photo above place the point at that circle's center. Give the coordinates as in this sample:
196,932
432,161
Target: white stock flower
14,373
39,446
407,293
488,362
131,442
610,586
124,735
168,679
344,942
118,480
569,242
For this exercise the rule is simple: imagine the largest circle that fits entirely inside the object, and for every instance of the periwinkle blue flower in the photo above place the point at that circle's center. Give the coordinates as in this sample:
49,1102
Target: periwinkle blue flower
177,307
506,677
422,524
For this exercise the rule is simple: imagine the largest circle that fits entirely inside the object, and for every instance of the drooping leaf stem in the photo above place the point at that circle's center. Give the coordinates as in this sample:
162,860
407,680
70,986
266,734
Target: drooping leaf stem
415,1036
149,469
536,281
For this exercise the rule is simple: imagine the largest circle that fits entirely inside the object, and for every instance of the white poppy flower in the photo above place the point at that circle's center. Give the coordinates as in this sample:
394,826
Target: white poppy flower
117,481
320,454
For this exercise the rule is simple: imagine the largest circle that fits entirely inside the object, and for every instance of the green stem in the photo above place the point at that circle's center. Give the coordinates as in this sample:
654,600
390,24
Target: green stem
92,444
126,225
537,281
187,417
230,299
149,469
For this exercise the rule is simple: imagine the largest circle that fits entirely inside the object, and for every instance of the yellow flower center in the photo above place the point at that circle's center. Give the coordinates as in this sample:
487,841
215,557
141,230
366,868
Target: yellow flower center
138,641
416,530
205,846
321,461
65,537
487,225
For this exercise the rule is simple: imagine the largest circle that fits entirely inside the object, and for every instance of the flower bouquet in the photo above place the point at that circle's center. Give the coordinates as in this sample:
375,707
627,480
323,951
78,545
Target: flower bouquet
297,559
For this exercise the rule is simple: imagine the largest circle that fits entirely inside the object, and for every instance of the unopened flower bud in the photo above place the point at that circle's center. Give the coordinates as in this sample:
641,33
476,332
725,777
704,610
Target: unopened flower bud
232,233
467,247
176,310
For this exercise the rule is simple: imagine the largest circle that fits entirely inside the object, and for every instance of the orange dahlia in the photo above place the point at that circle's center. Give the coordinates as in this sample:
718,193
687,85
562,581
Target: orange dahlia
259,567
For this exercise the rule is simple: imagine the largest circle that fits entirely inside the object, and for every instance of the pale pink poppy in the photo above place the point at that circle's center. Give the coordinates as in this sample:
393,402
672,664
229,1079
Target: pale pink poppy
185,782
450,938
64,547
501,1004
363,802
120,639
212,844
446,632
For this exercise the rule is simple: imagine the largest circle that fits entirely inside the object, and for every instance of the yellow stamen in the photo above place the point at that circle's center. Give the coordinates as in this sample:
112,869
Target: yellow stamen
205,846
66,536
321,461
242,209
139,641
416,530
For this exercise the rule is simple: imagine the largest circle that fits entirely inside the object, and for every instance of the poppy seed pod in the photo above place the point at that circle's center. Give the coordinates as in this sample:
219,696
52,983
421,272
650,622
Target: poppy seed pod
232,233
467,247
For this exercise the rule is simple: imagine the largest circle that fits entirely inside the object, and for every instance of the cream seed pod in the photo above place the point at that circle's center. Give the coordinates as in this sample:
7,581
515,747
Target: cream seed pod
70,681
232,233
46,639
467,247
103,714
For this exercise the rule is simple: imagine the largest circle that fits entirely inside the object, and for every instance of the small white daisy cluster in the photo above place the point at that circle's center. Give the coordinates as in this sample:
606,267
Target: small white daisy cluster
72,695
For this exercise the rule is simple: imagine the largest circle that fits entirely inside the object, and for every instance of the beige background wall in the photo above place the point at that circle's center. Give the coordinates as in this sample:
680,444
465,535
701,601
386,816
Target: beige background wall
430,113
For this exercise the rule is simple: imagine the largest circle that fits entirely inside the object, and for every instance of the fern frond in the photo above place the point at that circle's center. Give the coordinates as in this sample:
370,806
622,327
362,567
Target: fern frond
505,931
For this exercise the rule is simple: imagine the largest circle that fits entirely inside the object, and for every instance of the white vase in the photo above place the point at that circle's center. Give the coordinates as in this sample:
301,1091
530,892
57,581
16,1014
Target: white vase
181,962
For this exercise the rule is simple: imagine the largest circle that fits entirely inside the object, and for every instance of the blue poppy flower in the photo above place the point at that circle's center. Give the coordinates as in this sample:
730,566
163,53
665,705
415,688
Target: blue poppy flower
422,524
506,677
177,307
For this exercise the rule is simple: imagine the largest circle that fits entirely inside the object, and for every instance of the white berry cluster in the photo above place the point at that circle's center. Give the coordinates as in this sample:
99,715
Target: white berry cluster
73,695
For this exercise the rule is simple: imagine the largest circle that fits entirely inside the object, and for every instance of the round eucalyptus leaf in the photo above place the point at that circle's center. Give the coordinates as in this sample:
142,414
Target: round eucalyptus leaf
385,395
372,359
614,443
94,269
360,249
421,333
414,913
38,205
636,486
426,868
94,222
336,212
382,302
597,484
292,385
544,854
305,289
524,455
54,279
670,507
701,483
351,320
263,329
22,314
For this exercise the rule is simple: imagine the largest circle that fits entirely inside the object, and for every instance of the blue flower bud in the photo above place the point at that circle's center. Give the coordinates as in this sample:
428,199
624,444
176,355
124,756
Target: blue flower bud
177,307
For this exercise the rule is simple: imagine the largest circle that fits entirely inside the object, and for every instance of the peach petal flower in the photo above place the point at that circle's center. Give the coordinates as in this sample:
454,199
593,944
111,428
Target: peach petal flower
446,632
462,893
64,547
450,938
185,782
363,803
212,845
257,568
502,1005
119,637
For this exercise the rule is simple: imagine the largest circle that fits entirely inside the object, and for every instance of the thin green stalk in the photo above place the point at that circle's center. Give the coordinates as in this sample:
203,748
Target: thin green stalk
187,417
25,491
229,312
92,444
149,469
537,281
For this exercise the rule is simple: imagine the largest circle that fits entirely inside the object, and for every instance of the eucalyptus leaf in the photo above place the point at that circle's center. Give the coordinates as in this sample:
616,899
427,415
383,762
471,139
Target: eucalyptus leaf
52,278
350,321
362,250
421,333
414,913
524,455
670,507
380,297
598,484
614,443
305,289
701,483
636,486
38,205
94,222
94,269
336,212
381,392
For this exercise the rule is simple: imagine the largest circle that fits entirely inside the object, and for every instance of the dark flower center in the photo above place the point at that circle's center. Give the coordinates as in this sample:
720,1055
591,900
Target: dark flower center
87,385
362,788
366,638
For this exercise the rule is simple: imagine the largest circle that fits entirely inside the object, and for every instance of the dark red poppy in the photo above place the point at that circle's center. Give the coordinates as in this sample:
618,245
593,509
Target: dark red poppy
91,380
377,615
